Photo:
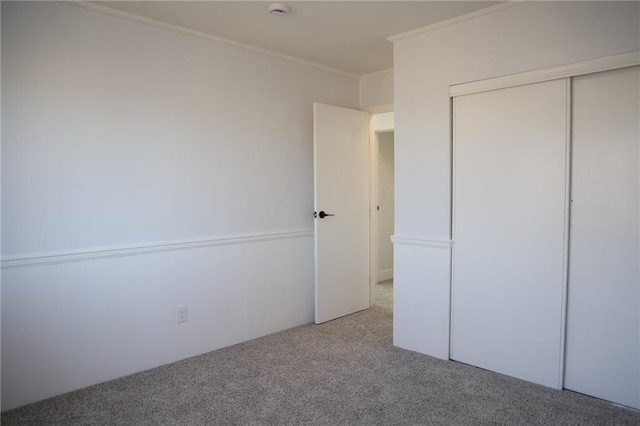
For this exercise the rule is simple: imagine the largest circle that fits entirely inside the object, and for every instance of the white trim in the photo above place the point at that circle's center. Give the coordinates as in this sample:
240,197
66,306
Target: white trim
199,34
373,211
374,202
379,109
377,73
567,230
138,249
458,19
385,275
452,222
421,241
606,63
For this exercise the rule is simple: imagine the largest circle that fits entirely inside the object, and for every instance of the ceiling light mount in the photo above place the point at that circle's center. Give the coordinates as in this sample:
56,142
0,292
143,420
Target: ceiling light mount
278,9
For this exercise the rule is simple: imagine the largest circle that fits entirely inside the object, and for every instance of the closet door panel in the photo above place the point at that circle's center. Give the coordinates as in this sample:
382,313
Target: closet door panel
603,322
509,223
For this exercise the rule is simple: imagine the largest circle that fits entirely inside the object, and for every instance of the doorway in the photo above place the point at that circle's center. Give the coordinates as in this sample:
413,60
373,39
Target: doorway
347,205
384,210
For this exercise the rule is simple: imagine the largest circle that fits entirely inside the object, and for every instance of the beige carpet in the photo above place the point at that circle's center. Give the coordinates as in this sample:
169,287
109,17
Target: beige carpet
345,372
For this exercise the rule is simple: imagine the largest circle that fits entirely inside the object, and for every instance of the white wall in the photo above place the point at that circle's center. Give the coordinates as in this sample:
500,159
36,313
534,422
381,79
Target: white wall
376,90
116,135
526,37
385,201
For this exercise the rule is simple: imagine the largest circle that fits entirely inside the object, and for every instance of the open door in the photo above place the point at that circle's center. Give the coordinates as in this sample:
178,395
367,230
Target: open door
341,203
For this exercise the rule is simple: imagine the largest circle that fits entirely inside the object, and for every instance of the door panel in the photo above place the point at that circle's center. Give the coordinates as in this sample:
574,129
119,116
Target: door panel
603,322
509,223
341,179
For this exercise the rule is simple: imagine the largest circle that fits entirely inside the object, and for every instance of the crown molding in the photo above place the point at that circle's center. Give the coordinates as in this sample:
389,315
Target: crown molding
458,19
199,34
377,73
139,249
378,109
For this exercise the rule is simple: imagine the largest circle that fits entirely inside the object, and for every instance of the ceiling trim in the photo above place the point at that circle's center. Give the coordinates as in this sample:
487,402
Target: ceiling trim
377,73
458,19
379,109
183,30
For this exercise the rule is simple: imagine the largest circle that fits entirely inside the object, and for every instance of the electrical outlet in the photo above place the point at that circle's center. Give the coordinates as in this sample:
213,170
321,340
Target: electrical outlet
181,313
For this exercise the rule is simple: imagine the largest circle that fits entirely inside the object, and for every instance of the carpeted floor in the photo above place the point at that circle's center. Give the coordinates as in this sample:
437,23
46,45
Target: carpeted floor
383,293
342,372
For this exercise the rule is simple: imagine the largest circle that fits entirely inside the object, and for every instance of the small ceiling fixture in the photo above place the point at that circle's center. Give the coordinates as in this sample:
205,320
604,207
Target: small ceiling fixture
278,9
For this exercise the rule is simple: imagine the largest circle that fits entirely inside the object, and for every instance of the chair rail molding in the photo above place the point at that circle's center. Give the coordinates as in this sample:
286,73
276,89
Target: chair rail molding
66,256
421,241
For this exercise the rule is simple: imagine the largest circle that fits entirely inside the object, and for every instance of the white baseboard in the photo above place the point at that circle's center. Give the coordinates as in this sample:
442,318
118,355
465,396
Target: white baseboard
385,275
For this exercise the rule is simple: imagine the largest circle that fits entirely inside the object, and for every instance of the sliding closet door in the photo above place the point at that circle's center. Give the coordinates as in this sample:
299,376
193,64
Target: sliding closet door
509,223
603,322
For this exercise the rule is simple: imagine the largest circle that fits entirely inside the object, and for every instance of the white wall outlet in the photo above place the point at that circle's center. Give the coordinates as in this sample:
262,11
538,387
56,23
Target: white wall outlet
181,313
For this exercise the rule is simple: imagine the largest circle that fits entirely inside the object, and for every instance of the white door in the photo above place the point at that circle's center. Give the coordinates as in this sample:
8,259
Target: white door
509,222
603,314
341,181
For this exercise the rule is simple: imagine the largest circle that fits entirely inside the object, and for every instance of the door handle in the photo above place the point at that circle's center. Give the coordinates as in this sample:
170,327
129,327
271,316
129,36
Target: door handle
322,214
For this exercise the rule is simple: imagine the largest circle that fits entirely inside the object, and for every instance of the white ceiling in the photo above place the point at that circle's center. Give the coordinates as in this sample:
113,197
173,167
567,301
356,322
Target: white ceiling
350,36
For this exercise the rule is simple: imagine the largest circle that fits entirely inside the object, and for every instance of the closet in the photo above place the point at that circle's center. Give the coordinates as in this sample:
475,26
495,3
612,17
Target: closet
510,166
546,214
602,356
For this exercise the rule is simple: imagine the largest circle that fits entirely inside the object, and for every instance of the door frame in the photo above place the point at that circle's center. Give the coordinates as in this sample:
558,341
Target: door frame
341,133
373,196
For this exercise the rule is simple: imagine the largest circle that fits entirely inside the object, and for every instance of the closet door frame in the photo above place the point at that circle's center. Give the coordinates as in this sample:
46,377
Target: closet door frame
608,63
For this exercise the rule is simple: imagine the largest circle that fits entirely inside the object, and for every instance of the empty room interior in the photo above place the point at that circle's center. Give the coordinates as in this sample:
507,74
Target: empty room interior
319,212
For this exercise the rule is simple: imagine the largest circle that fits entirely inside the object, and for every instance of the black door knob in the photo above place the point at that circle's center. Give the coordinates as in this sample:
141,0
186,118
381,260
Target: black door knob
322,214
